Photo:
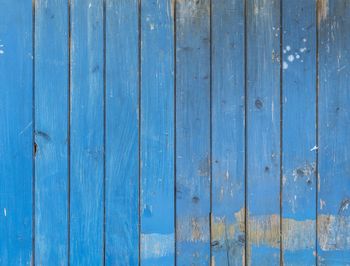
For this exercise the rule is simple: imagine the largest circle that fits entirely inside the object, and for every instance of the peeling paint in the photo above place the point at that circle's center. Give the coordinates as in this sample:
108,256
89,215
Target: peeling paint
157,245
322,10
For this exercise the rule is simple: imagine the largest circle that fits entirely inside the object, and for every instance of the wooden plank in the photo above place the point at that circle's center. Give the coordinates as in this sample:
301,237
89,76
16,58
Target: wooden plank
193,132
157,133
263,132
334,129
122,153
228,182
16,132
299,133
51,132
87,133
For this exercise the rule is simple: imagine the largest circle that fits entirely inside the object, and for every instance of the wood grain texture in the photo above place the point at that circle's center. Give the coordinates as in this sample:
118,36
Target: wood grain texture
193,132
228,129
122,133
87,133
299,132
157,133
51,132
334,129
16,132
263,132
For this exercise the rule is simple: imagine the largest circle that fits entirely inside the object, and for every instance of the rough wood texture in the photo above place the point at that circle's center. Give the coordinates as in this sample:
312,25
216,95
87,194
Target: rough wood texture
51,132
193,132
299,132
334,128
228,105
157,133
122,133
86,133
263,131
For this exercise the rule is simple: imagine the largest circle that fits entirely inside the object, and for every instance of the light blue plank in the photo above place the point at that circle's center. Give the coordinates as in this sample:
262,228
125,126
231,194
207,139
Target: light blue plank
193,132
299,132
334,130
87,133
16,132
51,127
263,132
157,133
122,167
228,185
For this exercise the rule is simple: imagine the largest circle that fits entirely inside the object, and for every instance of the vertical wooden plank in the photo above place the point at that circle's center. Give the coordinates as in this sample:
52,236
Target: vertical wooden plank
87,131
299,132
16,132
193,132
157,133
334,130
263,132
51,128
122,153
228,184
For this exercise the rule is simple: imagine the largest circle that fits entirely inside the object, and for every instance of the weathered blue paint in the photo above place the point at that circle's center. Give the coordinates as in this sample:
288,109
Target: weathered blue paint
157,133
228,105
334,129
16,132
51,132
263,130
86,133
193,132
299,130
122,153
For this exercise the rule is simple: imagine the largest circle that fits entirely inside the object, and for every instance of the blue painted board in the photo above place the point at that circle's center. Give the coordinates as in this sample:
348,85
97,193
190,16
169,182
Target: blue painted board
86,133
333,211
299,132
228,130
193,132
51,132
122,133
157,133
263,132
16,132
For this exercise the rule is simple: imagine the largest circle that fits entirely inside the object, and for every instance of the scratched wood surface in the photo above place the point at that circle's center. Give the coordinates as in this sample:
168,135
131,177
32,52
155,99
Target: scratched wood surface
174,132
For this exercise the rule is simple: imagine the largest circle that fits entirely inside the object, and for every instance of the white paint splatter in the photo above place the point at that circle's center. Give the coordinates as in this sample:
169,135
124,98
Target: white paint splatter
322,204
157,245
151,26
297,56
304,40
89,5
2,51
291,58
285,65
302,50
288,48
5,212
314,148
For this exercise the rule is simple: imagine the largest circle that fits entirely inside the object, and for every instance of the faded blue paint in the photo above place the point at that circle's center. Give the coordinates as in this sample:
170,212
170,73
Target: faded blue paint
122,133
263,121
51,132
16,132
157,132
299,126
86,133
228,104
334,131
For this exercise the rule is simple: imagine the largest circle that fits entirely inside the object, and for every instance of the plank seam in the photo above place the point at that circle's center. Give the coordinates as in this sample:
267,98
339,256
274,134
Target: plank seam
175,159
245,136
281,132
210,131
68,130
33,132
139,130
104,135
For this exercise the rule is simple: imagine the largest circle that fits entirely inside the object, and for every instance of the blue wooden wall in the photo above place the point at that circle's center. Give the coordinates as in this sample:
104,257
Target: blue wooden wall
175,132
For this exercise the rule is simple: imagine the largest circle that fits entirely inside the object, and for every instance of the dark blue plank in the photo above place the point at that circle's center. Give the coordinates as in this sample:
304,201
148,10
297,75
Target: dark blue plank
193,132
87,133
299,132
263,132
122,167
157,133
16,132
334,130
51,127
228,197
